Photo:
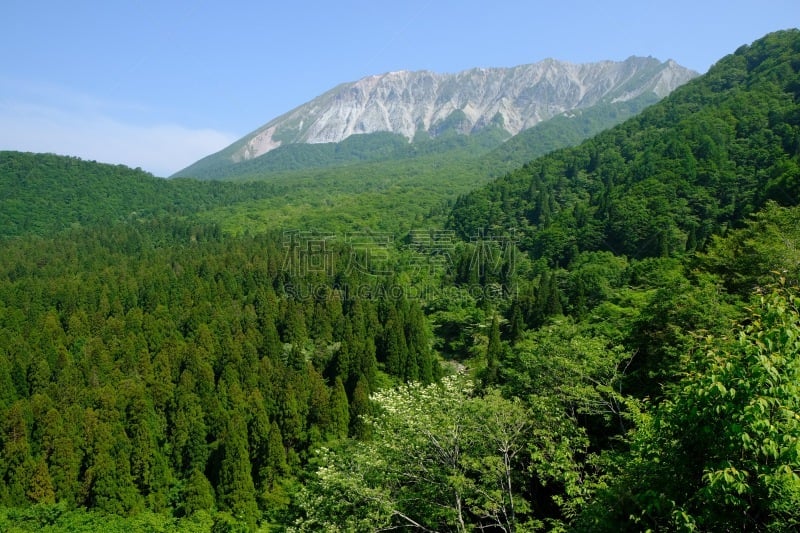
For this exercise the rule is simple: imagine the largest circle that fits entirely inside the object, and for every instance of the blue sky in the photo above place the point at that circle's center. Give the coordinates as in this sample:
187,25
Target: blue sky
160,84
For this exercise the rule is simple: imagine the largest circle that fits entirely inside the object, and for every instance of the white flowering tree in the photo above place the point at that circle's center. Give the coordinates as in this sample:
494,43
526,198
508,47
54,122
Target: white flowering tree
441,459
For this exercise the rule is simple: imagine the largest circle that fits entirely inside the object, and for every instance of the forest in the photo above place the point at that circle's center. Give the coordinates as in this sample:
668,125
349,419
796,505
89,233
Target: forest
604,338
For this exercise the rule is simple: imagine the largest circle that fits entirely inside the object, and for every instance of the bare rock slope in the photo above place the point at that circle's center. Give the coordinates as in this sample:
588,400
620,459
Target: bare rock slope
407,103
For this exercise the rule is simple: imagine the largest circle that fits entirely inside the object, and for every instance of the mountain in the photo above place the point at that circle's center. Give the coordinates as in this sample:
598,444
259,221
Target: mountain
158,374
701,160
423,105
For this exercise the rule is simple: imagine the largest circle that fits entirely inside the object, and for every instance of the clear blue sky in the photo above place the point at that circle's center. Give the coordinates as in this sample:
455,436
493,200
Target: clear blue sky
159,84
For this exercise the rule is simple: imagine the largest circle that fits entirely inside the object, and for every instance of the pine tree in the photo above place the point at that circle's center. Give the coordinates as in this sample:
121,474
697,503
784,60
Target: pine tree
295,330
258,431
321,326
17,462
292,415
394,346
198,494
548,299
494,352
39,484
516,322
62,455
276,464
419,366
341,363
319,408
360,407
7,390
107,483
188,428
340,411
271,345
367,362
236,492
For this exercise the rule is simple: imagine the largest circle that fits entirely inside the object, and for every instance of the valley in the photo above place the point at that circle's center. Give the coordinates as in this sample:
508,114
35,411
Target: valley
589,324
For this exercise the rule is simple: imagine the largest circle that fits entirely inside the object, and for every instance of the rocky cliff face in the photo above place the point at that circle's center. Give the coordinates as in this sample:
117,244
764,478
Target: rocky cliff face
513,98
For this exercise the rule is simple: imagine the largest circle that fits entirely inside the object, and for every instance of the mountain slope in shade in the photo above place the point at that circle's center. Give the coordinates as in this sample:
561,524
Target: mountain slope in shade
413,103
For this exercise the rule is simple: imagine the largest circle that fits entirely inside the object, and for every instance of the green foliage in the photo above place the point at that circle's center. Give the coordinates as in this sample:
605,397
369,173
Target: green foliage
748,259
45,193
57,518
236,491
439,457
340,410
720,453
661,183
161,366
562,363
494,353
373,147
198,494
561,131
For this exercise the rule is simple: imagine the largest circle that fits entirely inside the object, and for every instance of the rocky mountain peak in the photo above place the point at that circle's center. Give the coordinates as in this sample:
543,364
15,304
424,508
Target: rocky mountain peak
408,103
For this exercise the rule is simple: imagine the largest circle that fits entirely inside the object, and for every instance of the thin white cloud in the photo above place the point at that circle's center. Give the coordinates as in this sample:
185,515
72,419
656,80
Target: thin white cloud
89,131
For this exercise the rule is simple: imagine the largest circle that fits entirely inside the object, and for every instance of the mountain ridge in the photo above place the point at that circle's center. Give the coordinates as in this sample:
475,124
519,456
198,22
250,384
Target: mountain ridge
694,151
410,103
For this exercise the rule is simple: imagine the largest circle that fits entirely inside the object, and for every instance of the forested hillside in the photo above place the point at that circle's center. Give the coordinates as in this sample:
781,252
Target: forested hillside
372,147
702,159
633,349
378,182
46,193
605,339
160,366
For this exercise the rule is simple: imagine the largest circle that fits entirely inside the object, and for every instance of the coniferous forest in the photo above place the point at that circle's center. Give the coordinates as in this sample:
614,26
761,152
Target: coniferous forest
606,338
